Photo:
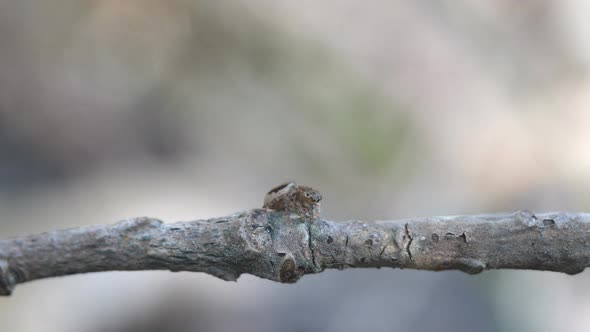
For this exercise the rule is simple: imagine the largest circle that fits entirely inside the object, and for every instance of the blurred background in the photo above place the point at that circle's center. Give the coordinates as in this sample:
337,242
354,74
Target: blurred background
185,109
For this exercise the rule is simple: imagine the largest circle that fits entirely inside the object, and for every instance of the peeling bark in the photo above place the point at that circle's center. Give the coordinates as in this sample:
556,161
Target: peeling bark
283,246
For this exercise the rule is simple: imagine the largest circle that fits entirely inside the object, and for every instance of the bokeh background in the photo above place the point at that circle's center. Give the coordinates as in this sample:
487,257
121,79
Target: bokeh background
192,109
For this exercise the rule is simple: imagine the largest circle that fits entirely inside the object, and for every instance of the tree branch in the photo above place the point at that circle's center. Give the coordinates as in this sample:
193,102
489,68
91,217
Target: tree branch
282,246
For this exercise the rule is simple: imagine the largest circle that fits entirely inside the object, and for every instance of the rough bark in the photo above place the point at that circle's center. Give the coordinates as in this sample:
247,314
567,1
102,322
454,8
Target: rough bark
283,246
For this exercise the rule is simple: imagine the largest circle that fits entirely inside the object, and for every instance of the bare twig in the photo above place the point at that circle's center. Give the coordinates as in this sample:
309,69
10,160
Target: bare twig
283,246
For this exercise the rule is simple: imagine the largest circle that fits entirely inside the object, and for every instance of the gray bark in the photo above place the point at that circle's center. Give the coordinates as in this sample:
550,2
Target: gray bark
283,246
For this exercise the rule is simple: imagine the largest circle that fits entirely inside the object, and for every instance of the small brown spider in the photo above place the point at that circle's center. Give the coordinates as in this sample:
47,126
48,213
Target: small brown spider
292,197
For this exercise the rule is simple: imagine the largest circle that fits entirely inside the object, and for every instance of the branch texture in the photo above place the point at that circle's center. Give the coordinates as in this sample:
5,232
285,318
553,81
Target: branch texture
283,246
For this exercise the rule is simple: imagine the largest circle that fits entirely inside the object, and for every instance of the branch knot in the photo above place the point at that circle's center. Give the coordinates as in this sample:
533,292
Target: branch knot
7,280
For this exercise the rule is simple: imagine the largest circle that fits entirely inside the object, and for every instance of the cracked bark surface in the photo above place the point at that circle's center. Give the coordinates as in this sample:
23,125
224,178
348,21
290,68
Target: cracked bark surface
283,246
